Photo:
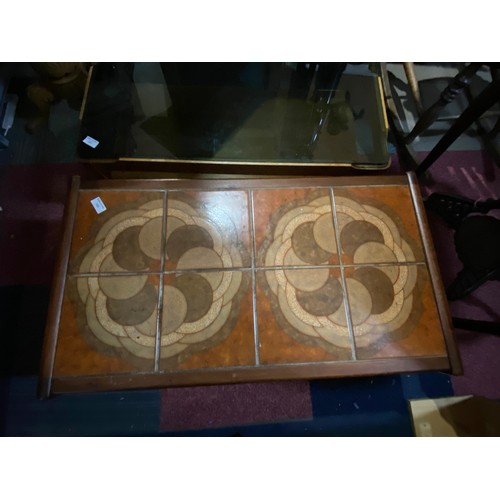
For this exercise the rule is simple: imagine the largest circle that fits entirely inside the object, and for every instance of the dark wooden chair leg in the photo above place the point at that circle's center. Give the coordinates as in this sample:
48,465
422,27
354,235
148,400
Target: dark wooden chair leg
459,83
476,325
482,103
495,130
487,137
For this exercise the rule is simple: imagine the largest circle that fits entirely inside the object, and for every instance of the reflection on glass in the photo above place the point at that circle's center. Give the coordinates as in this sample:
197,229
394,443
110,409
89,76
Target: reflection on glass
259,112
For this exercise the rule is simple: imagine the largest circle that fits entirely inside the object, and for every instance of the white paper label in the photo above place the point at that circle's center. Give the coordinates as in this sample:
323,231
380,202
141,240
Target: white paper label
98,205
90,141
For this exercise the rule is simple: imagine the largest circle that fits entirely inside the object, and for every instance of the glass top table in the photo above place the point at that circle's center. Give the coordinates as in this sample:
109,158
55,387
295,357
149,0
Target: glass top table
323,114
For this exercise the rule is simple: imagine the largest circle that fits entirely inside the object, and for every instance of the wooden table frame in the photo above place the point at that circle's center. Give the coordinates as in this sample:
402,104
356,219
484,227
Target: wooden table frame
49,385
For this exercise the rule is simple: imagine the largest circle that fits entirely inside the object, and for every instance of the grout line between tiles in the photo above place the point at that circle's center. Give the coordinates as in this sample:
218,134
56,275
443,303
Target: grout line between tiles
347,306
117,274
160,294
386,264
254,268
254,288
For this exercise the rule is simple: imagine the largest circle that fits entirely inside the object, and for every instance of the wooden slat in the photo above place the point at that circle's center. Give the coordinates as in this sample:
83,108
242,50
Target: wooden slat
86,92
437,284
247,168
221,184
251,374
56,300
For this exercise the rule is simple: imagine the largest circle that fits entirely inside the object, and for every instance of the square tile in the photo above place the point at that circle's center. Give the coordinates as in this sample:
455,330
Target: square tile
108,325
126,237
393,312
207,230
294,227
207,320
301,316
377,224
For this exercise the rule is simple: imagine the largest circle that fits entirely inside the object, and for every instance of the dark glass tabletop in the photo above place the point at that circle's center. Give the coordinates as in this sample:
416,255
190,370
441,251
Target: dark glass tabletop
285,113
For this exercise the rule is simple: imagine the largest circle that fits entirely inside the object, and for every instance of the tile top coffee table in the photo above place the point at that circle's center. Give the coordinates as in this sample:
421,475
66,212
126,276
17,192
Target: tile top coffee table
188,282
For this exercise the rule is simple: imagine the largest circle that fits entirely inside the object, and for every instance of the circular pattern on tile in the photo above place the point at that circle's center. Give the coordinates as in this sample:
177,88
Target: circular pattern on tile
311,281
134,310
310,301
360,301
120,308
186,237
306,247
177,309
324,301
199,298
127,244
307,292
201,251
197,293
369,235
149,242
127,252
357,232
379,286
122,287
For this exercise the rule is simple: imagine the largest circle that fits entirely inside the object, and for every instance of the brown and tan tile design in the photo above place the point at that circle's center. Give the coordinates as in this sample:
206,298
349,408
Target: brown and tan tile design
124,238
374,302
209,313
301,316
377,225
237,349
393,312
99,335
294,227
207,230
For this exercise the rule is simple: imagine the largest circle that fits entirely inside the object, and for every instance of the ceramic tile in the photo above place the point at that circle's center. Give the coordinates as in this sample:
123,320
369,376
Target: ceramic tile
108,325
294,227
207,230
126,237
377,225
240,266
207,320
301,316
393,312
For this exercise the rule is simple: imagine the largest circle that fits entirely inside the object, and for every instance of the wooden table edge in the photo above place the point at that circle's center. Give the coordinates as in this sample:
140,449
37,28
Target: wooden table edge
250,374
57,293
435,275
251,183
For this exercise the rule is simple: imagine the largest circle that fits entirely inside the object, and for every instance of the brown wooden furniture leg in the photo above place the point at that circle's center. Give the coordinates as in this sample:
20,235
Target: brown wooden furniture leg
415,90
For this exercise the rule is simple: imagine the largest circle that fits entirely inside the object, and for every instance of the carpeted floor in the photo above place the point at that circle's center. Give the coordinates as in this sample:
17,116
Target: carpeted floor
32,200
